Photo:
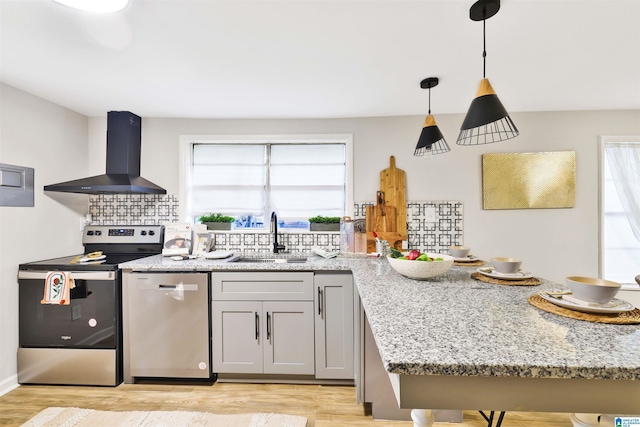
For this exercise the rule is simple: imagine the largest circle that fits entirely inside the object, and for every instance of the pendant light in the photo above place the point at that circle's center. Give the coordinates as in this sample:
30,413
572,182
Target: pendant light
487,120
431,140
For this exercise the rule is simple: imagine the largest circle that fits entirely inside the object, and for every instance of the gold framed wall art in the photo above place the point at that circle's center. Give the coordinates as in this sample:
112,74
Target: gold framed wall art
529,180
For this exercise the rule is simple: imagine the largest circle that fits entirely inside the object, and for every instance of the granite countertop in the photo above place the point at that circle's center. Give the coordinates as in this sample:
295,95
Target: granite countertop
455,325
162,263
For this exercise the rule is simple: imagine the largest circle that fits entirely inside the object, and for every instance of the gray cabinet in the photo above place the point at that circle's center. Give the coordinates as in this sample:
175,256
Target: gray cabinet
334,325
236,344
262,323
289,337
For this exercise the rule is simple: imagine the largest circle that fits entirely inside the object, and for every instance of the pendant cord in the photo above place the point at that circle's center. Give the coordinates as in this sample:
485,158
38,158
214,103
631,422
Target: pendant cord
484,48
429,101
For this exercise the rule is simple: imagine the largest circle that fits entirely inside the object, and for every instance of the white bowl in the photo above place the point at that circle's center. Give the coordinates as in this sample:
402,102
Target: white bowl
506,265
459,251
591,289
421,270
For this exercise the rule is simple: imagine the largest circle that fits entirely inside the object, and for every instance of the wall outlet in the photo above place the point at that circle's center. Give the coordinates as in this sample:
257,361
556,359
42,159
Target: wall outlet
86,220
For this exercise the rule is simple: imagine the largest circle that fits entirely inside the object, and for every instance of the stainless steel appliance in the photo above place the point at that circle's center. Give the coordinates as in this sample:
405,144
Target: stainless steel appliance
124,142
166,332
80,343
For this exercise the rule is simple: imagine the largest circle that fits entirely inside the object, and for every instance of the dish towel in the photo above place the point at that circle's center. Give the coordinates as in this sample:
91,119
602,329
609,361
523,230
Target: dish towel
325,254
57,287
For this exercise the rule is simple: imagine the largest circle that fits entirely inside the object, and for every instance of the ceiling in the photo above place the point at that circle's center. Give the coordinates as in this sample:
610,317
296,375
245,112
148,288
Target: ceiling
321,58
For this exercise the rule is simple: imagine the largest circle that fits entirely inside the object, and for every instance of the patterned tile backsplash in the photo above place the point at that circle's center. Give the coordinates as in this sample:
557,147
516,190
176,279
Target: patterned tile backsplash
133,209
433,225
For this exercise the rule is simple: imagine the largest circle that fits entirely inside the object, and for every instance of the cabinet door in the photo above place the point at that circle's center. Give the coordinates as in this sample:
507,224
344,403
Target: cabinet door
334,324
237,328
288,337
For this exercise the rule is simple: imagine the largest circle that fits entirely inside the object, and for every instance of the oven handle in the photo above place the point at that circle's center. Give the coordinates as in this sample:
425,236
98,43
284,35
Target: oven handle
77,275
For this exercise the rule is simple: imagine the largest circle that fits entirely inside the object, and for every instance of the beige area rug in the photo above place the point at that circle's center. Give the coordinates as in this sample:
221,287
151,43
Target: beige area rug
79,417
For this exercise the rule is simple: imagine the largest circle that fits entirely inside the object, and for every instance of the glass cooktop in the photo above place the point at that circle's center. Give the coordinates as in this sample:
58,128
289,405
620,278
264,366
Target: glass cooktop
110,263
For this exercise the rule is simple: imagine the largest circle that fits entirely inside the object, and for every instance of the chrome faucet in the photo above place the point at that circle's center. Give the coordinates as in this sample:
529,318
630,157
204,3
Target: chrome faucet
274,229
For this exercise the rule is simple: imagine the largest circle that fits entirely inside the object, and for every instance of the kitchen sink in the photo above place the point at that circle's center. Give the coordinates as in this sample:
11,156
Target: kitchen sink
266,260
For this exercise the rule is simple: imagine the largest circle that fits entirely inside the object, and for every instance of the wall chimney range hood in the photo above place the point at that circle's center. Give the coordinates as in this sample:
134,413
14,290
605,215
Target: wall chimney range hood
124,136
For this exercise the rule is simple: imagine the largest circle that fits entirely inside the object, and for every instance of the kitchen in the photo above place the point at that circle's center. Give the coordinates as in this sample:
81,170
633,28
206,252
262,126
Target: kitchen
553,242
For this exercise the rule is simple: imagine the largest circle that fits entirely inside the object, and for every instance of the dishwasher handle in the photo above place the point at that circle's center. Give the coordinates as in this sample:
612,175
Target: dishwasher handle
187,287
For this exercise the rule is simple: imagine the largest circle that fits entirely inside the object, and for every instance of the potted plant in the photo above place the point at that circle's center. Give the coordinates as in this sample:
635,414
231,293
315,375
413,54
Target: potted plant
217,221
324,223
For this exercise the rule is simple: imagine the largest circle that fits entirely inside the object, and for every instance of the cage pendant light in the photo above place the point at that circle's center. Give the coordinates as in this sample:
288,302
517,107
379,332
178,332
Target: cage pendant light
431,140
487,120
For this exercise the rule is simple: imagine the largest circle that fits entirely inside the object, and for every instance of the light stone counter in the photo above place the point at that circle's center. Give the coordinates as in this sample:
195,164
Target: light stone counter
453,325
314,263
452,342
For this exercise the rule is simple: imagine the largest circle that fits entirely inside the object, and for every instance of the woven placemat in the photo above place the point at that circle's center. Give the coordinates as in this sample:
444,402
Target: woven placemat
532,281
478,263
627,318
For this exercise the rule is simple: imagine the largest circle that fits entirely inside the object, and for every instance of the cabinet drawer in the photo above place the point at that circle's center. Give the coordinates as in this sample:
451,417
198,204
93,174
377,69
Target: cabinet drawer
264,286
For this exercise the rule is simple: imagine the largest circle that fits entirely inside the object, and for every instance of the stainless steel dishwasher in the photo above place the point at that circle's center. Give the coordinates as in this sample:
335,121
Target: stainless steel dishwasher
166,325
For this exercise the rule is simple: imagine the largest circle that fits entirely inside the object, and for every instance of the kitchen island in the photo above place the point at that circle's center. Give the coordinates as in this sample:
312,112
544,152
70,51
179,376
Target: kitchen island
452,342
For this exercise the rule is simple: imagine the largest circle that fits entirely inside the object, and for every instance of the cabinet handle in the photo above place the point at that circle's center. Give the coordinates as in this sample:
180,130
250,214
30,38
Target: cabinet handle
320,298
257,325
268,326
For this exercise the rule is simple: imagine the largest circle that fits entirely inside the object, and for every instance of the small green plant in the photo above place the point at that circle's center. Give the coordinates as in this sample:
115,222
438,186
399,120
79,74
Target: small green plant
325,219
216,218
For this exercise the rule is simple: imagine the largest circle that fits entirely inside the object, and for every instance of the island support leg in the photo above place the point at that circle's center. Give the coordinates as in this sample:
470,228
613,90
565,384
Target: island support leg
422,417
586,420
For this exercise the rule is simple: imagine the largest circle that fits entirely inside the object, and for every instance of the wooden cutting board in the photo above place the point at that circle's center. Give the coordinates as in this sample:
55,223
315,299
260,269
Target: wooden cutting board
393,182
394,239
381,218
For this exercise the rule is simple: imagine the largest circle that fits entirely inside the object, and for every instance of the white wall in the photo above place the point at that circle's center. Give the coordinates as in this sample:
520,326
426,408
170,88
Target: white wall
553,243
52,140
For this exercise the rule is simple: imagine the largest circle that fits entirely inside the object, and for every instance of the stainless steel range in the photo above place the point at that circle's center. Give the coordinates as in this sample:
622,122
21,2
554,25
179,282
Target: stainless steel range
80,343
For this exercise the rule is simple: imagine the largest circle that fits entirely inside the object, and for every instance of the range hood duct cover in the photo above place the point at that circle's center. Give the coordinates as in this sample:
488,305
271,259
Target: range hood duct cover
124,137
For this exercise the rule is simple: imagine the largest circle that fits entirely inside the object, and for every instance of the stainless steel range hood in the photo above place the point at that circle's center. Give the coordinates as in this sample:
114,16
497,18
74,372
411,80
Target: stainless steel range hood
124,135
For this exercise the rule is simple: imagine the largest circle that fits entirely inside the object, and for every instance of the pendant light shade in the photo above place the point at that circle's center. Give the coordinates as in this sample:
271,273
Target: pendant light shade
431,140
487,120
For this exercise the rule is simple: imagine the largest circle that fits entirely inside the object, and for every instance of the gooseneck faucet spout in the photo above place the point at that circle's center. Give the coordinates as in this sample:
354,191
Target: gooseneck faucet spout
274,230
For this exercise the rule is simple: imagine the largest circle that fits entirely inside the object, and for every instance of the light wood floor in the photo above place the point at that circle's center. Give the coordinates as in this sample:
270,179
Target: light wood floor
323,406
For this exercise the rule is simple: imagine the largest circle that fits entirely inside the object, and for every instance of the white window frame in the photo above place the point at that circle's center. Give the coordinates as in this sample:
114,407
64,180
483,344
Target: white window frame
602,141
186,143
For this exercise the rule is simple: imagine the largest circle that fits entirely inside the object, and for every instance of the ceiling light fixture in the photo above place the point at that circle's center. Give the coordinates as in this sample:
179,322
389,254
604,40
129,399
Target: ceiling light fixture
97,6
431,140
487,120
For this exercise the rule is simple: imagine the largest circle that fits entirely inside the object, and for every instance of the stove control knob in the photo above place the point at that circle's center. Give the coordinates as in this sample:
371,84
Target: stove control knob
151,232
143,233
90,233
98,233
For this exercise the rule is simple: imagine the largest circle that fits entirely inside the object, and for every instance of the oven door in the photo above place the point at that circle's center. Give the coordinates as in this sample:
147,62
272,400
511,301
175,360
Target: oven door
90,321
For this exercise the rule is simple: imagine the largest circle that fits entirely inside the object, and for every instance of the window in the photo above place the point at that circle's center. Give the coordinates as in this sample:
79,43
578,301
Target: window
249,177
620,212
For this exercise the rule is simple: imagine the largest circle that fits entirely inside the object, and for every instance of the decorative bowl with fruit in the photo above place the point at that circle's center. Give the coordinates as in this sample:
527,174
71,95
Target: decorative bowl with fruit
417,265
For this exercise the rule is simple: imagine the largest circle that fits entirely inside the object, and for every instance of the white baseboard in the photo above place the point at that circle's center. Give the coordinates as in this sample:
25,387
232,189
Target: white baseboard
8,384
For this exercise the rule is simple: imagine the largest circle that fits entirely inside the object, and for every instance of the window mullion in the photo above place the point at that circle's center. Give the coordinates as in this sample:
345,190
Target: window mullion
267,199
